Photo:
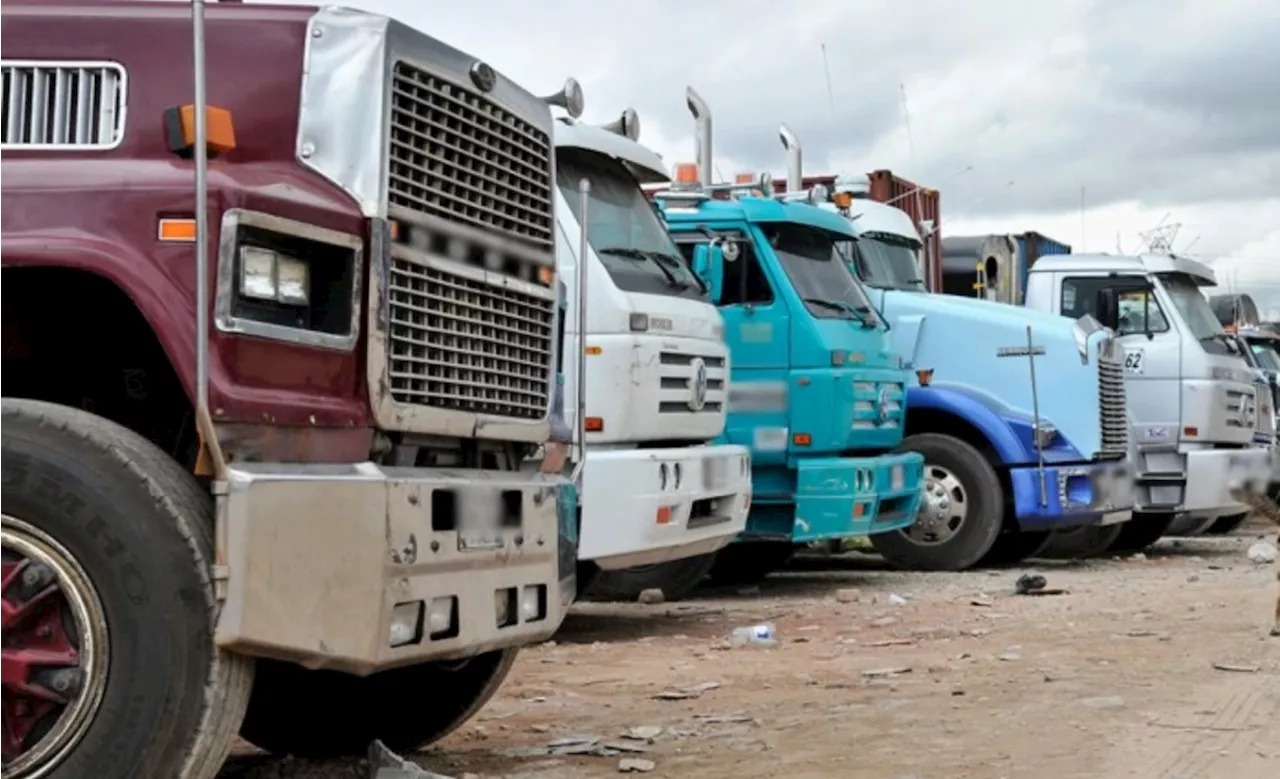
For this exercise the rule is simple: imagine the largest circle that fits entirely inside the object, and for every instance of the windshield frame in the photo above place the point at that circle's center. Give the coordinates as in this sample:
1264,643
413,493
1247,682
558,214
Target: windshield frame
799,270
616,194
888,280
1264,349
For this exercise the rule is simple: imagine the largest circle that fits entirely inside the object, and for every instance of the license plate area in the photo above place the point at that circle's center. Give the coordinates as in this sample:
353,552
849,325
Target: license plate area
481,516
715,473
897,477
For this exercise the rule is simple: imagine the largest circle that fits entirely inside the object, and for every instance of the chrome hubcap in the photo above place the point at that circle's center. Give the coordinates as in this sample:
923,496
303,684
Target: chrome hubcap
943,507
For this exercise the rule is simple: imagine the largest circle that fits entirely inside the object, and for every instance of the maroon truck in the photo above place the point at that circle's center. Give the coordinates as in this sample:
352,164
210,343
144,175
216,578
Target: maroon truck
320,520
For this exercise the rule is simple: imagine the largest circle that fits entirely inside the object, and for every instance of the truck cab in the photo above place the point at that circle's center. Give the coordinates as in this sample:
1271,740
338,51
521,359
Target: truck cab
815,392
1021,415
1194,429
280,330
660,496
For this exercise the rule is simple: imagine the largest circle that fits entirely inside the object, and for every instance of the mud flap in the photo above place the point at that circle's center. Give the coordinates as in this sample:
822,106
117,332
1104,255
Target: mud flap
385,764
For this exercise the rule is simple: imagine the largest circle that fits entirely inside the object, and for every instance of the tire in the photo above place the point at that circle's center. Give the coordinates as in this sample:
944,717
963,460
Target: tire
749,562
1140,532
137,534
948,546
1223,525
327,714
676,579
1082,543
1015,546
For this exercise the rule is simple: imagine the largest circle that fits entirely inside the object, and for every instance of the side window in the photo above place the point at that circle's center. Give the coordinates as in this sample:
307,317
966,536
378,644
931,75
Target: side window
1138,309
744,279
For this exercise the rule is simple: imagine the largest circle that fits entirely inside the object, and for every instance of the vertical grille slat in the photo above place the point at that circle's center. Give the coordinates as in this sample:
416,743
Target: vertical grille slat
1114,421
66,105
461,344
457,155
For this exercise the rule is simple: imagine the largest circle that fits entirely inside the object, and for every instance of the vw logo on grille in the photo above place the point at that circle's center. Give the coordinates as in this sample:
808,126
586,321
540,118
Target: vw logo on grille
483,76
882,407
1246,412
698,384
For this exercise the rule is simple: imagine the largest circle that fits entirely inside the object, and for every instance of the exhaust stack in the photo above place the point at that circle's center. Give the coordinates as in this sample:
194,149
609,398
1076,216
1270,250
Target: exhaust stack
795,163
702,114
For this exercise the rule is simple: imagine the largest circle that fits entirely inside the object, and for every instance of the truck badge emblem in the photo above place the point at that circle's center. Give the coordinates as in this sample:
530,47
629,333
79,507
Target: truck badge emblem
698,384
882,407
483,76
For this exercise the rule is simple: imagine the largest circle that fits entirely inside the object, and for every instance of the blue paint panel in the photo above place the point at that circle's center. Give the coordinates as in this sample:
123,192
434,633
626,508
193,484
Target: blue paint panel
1031,247
1083,506
829,491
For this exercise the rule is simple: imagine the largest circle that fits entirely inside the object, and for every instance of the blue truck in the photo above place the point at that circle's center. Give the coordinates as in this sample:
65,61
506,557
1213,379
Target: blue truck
1021,415
816,390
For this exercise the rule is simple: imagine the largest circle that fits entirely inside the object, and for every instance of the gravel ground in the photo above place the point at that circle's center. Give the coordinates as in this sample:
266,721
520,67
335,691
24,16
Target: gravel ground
1152,667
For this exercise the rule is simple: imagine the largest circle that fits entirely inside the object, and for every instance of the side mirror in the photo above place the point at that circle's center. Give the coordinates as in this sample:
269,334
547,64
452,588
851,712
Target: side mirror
708,263
1107,304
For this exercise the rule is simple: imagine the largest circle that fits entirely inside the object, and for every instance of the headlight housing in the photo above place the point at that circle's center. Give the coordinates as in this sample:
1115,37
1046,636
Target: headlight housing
270,275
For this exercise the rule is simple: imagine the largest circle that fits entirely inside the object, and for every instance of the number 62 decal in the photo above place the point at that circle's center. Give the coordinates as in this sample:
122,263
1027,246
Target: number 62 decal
1133,362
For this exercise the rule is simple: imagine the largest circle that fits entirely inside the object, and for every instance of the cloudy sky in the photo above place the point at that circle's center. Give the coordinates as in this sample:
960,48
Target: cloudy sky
1151,109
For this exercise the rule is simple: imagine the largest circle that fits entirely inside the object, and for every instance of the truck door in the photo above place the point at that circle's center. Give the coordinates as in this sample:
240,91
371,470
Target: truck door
757,325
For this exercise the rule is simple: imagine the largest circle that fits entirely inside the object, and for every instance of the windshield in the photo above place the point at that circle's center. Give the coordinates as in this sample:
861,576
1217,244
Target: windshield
886,261
1266,356
818,271
1191,306
623,228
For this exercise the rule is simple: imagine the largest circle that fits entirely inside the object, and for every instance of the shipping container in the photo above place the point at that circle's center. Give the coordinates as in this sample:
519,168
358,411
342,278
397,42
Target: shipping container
1031,247
919,203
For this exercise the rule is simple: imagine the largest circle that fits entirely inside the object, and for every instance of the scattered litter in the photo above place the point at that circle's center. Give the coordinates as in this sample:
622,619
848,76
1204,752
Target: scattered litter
758,635
897,600
881,673
848,595
1030,582
894,642
687,693
536,699
723,719
635,765
1262,553
1242,669
652,597
981,600
1011,654
1104,702
624,747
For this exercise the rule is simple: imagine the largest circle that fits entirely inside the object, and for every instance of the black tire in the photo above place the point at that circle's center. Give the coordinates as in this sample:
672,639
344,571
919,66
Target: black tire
1140,532
1014,546
676,579
981,526
141,530
1223,525
749,562
1081,543
325,714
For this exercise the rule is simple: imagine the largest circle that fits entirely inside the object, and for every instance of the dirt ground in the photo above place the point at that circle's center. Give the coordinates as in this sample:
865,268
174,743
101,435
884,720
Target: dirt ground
1151,667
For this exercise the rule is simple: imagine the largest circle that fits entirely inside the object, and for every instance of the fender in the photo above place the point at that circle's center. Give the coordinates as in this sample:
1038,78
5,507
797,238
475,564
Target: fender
961,402
170,318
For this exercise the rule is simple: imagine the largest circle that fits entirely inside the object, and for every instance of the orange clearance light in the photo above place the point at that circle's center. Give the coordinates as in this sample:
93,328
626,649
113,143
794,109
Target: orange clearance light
177,229
595,350
744,178
546,275
1191,432
664,515
595,424
924,376
859,509
842,199
801,439
180,130
393,227
687,173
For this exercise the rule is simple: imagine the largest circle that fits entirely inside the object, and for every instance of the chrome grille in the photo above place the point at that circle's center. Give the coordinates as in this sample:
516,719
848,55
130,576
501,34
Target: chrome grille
459,343
74,105
1242,409
457,155
1114,420
676,377
877,405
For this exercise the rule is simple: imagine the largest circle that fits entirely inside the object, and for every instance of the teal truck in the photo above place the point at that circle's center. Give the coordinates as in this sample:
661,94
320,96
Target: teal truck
816,391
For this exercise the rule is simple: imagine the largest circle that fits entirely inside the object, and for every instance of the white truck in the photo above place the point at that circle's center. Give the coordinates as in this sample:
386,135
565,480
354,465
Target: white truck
658,499
1196,408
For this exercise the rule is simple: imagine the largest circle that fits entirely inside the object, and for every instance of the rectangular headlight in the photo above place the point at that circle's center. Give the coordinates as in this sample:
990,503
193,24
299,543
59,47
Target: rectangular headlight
270,275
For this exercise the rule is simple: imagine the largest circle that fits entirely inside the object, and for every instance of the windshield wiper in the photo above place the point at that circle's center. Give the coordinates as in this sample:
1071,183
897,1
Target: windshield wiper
861,313
636,254
660,256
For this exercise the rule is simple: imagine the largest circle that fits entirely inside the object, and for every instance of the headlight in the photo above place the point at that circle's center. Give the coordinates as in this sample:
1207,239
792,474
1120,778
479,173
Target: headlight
270,275
1082,343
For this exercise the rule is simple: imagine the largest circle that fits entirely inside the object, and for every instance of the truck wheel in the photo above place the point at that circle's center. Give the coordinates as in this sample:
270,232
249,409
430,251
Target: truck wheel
1081,543
676,579
749,562
1014,546
1140,532
325,714
1224,525
960,515
110,669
